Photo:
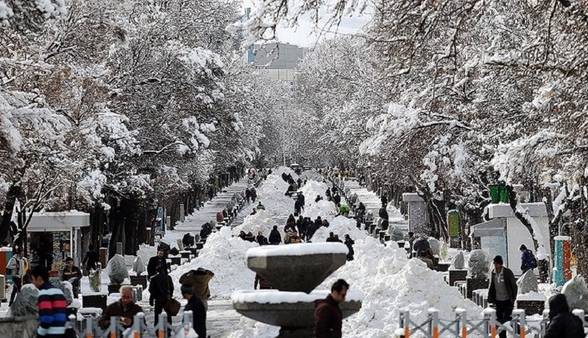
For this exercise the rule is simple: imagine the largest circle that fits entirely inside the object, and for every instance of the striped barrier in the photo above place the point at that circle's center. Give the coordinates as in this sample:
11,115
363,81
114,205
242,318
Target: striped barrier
462,327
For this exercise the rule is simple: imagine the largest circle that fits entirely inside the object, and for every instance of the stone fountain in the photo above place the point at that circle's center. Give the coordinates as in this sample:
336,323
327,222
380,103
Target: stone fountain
293,271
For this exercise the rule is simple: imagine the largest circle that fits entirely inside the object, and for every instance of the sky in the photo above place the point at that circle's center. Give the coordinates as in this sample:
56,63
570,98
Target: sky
306,33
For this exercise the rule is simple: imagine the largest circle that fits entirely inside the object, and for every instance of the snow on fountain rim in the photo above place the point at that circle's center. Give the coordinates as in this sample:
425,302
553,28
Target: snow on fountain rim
300,249
288,297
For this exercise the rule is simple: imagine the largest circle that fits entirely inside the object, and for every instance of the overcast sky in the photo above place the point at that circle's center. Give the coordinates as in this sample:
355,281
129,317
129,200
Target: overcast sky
307,32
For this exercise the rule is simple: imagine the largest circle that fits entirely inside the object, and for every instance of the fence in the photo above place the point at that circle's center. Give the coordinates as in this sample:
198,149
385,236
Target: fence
488,327
89,327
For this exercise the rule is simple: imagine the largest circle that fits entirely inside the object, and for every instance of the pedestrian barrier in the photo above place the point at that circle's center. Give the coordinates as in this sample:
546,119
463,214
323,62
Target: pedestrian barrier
90,328
488,327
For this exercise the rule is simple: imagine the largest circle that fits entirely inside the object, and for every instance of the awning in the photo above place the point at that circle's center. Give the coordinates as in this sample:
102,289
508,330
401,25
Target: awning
493,227
58,221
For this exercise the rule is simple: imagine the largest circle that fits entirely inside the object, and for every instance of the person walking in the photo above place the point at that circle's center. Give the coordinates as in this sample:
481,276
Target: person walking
18,266
502,292
331,237
275,238
528,260
349,243
50,303
155,262
198,310
562,323
328,318
72,274
161,289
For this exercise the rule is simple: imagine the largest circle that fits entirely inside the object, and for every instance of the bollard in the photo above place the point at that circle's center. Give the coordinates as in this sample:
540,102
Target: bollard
405,323
462,324
89,332
433,323
187,322
137,325
490,320
520,322
113,327
544,322
162,327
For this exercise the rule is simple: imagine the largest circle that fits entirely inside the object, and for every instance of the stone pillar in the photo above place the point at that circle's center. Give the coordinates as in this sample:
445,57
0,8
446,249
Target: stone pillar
103,253
182,212
168,222
418,217
2,287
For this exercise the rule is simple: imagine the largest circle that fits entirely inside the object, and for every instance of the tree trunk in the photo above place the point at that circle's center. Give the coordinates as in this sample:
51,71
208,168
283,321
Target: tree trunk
13,192
513,200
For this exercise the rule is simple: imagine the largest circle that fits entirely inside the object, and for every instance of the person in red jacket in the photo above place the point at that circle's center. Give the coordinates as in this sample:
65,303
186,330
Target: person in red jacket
328,318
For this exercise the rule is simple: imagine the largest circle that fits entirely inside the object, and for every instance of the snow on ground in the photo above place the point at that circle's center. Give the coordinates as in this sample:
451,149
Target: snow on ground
389,282
224,255
323,208
277,205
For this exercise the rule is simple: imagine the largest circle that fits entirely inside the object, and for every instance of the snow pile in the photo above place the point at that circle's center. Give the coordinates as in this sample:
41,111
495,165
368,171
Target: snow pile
225,256
277,205
342,226
323,208
390,283
262,221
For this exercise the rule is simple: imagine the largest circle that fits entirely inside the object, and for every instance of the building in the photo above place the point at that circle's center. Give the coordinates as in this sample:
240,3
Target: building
278,61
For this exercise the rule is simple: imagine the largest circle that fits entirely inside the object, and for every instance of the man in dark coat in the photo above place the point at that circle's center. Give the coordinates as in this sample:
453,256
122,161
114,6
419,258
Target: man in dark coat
275,238
331,237
161,288
156,261
260,239
198,310
562,323
349,243
328,318
528,260
188,240
125,309
502,291
383,213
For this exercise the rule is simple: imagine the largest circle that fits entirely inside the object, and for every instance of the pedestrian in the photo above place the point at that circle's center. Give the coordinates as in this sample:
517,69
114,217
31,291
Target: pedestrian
198,309
298,207
253,194
328,318
50,303
72,274
18,266
502,292
91,258
260,239
302,227
337,200
349,243
528,260
260,206
290,224
199,280
161,289
156,261
318,198
125,308
562,323
275,238
188,240
331,237
383,213
248,195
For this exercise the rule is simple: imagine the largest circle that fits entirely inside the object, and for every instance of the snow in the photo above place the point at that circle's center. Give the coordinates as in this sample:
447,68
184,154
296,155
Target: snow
5,11
533,295
301,249
224,255
277,297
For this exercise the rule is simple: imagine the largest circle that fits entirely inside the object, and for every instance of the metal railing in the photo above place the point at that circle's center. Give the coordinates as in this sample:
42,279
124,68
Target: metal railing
462,327
89,327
